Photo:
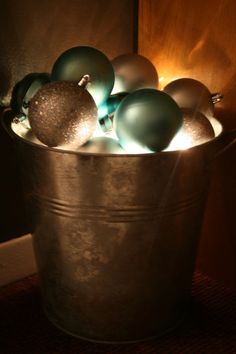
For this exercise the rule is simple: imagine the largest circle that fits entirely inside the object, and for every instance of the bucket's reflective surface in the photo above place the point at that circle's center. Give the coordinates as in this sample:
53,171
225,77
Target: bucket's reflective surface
115,236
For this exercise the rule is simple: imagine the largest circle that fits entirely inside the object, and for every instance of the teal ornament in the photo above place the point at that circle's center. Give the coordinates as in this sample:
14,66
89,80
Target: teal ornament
146,121
191,93
63,114
133,72
24,91
107,109
76,62
111,104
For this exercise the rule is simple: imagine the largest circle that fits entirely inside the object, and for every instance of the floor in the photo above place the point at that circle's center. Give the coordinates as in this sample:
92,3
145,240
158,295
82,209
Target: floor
209,328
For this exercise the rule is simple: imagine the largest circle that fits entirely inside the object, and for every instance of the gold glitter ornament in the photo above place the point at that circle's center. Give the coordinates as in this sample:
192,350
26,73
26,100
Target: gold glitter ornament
63,114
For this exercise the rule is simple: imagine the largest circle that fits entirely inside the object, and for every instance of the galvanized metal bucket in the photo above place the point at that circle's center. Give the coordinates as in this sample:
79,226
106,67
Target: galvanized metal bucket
115,236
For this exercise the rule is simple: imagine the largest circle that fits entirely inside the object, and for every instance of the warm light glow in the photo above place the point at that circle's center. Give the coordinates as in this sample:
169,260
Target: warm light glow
98,131
164,80
118,85
217,127
181,141
133,148
83,130
112,134
22,127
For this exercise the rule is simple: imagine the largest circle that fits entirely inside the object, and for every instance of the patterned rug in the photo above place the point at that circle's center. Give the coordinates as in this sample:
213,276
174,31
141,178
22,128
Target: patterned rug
210,327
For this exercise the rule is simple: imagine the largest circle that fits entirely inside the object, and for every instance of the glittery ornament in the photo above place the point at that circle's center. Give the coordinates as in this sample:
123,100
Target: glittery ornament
196,130
102,145
190,93
132,72
79,61
63,114
24,90
147,120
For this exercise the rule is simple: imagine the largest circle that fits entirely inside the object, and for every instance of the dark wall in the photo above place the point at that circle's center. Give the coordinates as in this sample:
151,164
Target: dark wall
32,35
34,32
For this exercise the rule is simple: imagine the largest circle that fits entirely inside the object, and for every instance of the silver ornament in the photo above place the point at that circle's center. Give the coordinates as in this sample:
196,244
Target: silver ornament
76,62
132,72
190,93
63,114
102,145
146,121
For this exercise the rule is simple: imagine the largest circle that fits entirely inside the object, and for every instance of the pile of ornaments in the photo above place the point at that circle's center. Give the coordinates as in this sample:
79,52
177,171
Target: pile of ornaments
90,104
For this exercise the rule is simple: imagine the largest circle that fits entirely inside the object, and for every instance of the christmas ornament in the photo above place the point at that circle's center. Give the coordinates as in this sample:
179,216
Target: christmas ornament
63,114
102,145
146,120
106,123
79,61
111,104
132,72
196,130
190,93
107,109
24,90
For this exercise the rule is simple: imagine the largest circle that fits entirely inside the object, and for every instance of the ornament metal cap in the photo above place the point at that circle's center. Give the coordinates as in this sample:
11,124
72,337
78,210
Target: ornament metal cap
216,97
84,81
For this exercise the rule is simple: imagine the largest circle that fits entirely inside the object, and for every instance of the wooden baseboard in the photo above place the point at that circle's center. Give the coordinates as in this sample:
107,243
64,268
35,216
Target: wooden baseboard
16,259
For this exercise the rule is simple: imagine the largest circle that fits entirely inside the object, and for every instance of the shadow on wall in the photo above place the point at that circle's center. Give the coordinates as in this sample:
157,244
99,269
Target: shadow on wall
5,79
217,247
13,220
34,33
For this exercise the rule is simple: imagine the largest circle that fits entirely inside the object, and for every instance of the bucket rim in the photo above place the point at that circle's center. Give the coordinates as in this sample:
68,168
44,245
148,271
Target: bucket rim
8,117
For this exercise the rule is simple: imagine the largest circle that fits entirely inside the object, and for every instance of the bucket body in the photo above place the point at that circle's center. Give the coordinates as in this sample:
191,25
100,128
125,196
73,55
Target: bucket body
115,237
